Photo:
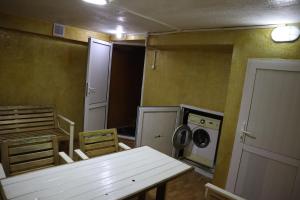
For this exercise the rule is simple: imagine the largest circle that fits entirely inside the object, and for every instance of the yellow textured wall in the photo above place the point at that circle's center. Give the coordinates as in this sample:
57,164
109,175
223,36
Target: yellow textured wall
197,76
39,70
252,43
45,28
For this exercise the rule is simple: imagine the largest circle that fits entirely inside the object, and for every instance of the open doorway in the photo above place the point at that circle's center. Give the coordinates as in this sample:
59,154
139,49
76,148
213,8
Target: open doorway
125,88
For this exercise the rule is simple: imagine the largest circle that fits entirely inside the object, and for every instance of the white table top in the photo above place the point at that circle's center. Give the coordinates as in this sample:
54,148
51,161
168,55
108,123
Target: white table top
113,176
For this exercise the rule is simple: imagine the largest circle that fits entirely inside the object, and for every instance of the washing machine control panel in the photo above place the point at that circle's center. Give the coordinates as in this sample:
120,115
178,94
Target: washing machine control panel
203,121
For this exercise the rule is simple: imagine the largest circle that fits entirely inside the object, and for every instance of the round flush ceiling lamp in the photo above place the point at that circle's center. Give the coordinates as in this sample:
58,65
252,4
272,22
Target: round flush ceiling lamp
97,2
285,33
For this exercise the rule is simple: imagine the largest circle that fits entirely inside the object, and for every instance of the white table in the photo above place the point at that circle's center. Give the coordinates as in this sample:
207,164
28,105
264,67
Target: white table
115,176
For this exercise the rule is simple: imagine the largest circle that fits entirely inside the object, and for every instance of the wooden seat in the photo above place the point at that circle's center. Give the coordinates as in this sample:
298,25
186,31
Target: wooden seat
28,154
97,143
213,192
33,121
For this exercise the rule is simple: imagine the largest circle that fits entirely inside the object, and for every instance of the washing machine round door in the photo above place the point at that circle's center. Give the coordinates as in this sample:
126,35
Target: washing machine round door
182,137
201,138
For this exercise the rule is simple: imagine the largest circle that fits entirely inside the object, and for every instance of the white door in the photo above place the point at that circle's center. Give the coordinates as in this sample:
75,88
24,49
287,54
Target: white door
265,161
97,85
155,127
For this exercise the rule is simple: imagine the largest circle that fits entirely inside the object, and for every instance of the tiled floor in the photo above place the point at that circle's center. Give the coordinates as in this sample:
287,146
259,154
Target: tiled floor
189,186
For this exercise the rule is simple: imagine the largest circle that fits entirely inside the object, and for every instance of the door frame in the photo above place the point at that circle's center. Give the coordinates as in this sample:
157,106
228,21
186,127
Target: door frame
253,65
86,106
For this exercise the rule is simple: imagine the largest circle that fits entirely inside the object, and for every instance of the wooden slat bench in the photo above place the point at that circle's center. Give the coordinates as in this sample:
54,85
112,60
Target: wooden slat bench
32,121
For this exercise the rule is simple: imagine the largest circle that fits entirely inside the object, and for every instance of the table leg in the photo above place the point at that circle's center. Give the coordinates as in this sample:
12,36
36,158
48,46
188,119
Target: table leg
142,196
161,192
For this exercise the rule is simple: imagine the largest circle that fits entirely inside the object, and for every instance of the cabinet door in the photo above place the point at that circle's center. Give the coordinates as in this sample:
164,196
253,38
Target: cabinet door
156,126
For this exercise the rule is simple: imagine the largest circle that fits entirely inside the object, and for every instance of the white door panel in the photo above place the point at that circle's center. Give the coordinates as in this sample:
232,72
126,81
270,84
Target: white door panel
273,118
98,76
155,127
265,161
269,179
97,85
96,119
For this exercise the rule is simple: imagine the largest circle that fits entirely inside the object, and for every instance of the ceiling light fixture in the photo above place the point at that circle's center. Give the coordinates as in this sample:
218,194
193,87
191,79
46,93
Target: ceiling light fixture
97,2
121,19
282,3
285,33
120,32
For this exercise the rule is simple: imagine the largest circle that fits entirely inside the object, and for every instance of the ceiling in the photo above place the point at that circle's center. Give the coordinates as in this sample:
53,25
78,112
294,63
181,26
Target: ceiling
141,16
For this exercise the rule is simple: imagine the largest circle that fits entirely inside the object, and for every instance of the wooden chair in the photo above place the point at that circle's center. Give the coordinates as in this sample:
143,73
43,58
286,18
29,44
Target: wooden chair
33,121
213,192
28,154
97,143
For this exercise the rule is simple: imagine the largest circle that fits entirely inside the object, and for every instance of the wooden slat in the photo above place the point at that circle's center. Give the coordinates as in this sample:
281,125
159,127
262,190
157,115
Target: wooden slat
88,140
32,164
31,156
99,152
25,107
31,148
99,145
99,132
26,120
20,130
47,123
11,112
4,157
55,149
212,196
31,170
24,116
28,141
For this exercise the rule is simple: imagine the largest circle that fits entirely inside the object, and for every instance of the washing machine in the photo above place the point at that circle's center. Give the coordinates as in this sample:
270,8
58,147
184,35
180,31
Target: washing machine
196,138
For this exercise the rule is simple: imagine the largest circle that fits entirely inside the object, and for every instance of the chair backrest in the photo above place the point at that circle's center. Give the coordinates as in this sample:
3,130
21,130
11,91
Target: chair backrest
100,142
213,192
28,154
14,119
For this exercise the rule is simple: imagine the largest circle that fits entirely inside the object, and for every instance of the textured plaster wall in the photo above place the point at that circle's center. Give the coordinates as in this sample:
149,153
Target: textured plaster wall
39,70
45,28
197,76
252,43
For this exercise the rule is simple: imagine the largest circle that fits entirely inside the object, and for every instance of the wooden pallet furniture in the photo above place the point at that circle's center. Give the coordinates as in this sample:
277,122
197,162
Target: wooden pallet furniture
28,154
97,143
213,192
32,121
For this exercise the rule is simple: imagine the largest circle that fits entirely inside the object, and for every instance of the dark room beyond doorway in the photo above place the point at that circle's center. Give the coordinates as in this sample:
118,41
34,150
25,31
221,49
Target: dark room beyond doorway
125,87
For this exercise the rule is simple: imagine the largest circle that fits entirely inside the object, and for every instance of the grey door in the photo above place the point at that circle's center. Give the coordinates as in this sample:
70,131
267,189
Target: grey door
266,157
97,85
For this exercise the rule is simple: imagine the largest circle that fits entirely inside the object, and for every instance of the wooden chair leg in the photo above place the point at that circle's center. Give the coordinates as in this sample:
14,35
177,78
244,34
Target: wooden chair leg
161,192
